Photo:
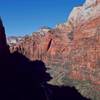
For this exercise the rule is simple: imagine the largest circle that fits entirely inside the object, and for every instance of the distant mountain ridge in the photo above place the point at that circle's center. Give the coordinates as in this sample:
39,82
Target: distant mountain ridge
14,39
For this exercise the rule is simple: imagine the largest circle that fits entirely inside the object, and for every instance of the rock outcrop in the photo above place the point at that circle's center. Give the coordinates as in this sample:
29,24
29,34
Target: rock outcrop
22,79
3,44
71,51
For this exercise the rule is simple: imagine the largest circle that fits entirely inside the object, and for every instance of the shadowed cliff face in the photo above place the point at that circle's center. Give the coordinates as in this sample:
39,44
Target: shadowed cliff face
2,33
71,51
3,45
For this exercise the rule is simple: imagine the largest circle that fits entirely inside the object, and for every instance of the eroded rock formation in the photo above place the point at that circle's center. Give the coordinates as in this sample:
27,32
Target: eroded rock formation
71,50
22,79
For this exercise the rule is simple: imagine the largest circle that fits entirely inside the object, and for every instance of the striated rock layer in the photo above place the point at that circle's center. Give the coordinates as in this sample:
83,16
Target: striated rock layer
71,51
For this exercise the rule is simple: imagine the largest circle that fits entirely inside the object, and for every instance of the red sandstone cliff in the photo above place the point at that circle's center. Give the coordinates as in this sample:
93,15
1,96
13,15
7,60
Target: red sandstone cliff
71,50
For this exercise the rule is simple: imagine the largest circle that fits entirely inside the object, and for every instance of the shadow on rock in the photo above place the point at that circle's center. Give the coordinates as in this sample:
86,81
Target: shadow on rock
22,79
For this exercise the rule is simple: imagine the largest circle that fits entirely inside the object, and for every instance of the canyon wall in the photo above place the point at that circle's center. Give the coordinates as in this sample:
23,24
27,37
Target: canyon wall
71,51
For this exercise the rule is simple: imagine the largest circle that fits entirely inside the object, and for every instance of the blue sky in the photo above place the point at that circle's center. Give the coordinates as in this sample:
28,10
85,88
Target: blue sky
22,17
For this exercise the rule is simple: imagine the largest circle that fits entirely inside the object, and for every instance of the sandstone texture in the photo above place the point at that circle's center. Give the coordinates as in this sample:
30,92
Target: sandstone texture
71,51
23,79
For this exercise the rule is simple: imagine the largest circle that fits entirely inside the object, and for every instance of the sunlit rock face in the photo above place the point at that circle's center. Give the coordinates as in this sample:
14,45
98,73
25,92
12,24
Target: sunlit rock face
71,50
85,18
91,2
